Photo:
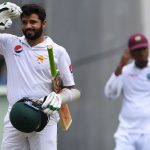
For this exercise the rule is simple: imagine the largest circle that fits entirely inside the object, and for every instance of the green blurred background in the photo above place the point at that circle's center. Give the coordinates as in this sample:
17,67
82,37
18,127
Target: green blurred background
3,108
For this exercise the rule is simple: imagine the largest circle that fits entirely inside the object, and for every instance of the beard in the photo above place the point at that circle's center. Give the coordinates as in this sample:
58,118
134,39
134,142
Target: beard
30,36
141,64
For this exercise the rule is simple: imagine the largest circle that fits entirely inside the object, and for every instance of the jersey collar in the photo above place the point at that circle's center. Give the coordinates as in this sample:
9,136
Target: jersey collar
47,41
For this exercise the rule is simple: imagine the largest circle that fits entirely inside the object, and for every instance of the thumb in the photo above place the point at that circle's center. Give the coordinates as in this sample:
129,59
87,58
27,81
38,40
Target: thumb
8,23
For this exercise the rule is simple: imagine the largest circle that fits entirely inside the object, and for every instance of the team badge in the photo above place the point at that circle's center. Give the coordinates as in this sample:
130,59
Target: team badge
41,58
138,38
18,48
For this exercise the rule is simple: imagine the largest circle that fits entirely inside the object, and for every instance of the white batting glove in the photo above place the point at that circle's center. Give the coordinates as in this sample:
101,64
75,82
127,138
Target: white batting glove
7,12
52,103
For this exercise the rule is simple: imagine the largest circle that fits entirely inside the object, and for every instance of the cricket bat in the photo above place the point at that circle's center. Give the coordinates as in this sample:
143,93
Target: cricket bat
64,112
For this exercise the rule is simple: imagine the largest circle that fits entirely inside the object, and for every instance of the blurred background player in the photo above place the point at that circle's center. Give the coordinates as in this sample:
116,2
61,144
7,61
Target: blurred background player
132,80
28,75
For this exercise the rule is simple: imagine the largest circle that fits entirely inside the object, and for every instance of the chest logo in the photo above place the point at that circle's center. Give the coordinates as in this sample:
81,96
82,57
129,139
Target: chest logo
18,48
41,58
133,75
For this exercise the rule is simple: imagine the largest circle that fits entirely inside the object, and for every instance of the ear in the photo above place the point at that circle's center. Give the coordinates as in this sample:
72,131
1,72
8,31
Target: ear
44,23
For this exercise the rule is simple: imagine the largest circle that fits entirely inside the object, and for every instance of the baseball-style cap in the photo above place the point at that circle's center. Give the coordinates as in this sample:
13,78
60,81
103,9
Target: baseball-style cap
137,41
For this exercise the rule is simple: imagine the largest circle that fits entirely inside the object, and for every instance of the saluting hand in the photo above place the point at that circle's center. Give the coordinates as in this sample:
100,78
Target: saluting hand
125,57
123,61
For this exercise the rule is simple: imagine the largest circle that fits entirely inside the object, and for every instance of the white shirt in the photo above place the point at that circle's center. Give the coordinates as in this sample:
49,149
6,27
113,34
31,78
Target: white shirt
28,69
134,85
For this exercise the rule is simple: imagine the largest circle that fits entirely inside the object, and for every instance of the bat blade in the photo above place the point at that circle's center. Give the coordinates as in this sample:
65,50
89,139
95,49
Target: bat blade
64,112
65,116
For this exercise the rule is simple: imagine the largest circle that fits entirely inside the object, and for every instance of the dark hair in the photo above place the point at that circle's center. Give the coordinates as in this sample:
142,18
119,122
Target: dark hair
29,9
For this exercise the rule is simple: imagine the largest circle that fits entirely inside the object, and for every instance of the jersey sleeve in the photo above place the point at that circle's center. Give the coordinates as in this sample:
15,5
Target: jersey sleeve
5,39
65,68
113,87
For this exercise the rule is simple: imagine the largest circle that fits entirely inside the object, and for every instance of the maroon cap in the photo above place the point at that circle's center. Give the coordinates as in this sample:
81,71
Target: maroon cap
137,41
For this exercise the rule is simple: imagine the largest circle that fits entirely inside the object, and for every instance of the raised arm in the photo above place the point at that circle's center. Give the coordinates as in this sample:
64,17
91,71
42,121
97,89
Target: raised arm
113,86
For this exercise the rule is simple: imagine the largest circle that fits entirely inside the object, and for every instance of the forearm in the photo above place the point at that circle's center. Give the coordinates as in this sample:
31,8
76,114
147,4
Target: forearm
118,70
69,94
113,87
53,101
123,61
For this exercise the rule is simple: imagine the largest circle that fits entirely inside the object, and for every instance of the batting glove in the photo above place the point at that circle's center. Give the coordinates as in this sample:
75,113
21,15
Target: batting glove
52,103
7,12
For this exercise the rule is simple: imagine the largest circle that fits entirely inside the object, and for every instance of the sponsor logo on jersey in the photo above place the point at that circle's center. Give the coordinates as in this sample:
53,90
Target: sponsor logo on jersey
18,48
70,68
133,75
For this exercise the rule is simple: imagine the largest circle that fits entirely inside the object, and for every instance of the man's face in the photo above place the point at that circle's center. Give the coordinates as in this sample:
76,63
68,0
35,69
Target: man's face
32,26
140,56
